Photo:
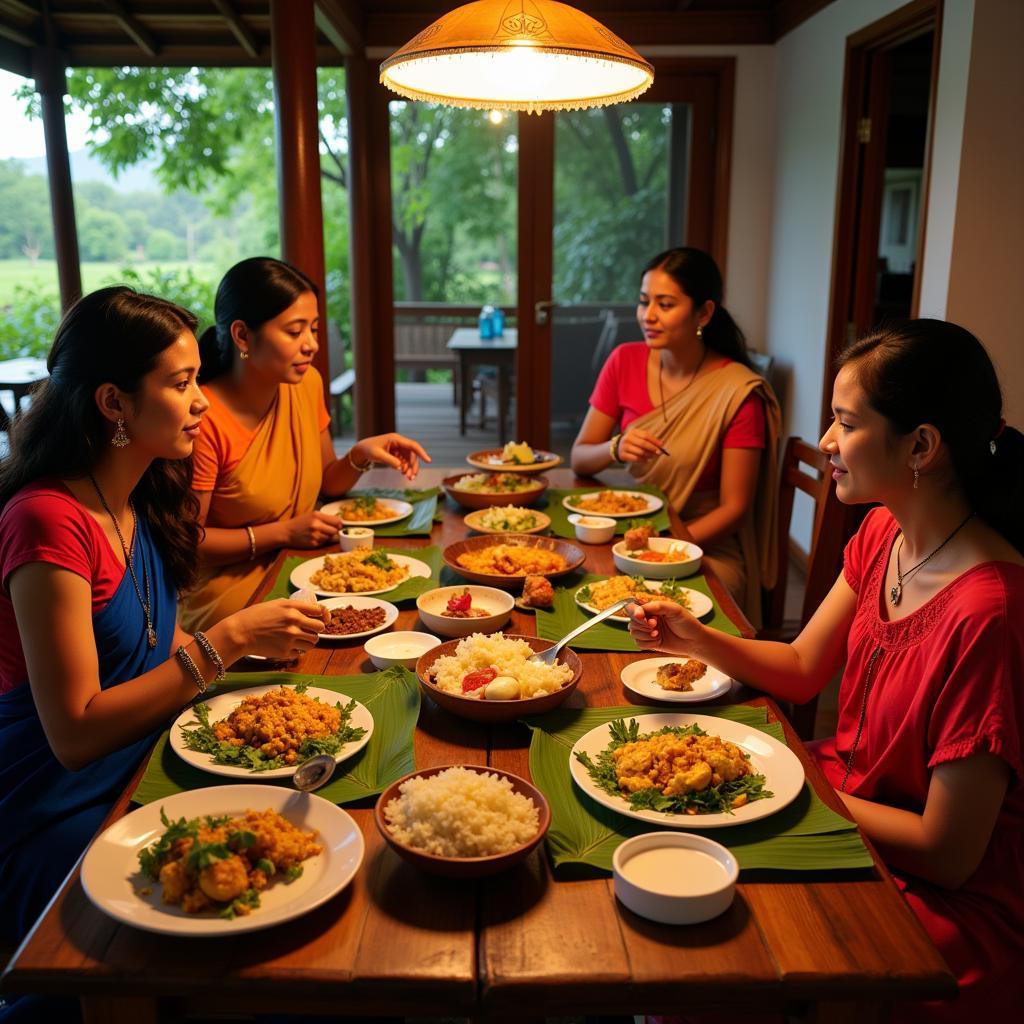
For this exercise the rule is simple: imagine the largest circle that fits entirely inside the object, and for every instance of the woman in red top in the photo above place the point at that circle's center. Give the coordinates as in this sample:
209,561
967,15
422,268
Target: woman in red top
927,752
694,419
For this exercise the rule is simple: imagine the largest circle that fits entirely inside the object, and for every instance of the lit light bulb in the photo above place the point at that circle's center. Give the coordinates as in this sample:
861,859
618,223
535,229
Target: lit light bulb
496,117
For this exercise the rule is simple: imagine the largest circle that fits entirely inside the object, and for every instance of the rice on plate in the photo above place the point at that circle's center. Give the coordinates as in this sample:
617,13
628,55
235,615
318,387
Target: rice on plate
480,651
461,813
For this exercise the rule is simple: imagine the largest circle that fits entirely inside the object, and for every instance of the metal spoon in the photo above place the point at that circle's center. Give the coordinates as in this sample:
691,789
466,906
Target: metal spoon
548,657
314,773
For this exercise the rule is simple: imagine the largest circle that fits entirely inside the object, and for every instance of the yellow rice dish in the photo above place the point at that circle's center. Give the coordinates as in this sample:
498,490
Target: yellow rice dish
614,502
511,560
355,572
601,595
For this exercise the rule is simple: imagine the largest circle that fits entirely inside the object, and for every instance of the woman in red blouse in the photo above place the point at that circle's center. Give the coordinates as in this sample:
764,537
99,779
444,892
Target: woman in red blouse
926,614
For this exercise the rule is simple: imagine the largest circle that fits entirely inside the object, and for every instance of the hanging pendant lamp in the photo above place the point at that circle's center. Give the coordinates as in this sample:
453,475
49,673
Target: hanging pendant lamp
530,55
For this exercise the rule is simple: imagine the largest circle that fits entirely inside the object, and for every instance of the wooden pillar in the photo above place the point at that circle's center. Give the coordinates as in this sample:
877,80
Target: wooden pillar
48,71
296,120
369,191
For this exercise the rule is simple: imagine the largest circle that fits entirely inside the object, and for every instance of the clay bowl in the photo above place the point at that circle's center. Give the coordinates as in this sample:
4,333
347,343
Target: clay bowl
574,557
479,710
464,867
490,499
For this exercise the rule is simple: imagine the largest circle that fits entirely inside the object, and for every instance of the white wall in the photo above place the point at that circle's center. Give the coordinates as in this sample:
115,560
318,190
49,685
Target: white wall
752,181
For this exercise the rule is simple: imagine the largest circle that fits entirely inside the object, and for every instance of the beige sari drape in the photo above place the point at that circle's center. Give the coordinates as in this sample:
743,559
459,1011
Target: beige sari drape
698,417
278,477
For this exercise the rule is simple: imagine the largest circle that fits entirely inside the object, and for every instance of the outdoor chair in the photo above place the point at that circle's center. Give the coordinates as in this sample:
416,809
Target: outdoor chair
824,559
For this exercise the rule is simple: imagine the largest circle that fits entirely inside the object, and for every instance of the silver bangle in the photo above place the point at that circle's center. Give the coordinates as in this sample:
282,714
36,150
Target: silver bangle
192,668
211,652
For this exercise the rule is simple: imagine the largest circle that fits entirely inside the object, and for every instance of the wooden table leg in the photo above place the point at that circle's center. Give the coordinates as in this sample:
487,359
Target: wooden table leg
502,402
465,389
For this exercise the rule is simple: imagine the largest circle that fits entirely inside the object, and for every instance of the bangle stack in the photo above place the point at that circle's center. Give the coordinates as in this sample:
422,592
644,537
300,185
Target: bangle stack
613,448
355,465
191,668
252,543
211,652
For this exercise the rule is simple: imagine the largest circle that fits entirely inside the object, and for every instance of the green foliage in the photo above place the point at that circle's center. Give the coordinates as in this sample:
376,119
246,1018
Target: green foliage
182,286
25,224
28,325
102,235
161,244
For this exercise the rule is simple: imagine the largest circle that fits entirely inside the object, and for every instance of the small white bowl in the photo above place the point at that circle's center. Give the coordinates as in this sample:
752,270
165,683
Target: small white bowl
432,604
593,529
687,564
674,877
352,538
401,648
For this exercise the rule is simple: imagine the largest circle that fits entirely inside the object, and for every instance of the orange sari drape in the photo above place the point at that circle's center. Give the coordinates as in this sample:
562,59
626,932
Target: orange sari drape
278,477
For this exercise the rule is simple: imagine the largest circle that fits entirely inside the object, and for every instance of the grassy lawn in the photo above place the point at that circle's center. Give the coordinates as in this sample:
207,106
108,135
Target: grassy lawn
42,274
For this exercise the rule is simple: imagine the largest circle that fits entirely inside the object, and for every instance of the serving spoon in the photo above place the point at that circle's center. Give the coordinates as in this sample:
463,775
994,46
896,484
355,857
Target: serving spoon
314,773
549,656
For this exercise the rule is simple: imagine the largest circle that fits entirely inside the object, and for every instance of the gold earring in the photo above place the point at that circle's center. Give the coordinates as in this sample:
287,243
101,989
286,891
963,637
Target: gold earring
120,438
242,354
700,331
917,473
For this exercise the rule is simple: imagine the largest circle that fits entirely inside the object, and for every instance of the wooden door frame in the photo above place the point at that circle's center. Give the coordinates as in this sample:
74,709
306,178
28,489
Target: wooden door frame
852,229
675,80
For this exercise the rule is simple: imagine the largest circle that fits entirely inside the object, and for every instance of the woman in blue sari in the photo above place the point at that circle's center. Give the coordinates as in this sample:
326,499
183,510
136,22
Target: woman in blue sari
98,533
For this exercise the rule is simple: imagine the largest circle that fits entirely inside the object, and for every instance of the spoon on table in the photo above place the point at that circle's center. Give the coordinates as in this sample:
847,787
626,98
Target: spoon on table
314,773
549,656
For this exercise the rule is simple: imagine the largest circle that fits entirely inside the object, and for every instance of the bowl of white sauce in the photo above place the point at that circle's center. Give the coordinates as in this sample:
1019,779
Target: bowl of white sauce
400,648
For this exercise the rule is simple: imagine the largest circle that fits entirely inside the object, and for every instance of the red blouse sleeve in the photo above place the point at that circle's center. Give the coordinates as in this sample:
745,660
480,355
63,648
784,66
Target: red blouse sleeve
747,427
606,396
865,546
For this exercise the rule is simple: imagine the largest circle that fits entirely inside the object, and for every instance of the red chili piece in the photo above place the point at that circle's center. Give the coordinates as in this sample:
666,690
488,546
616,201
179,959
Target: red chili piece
461,602
481,677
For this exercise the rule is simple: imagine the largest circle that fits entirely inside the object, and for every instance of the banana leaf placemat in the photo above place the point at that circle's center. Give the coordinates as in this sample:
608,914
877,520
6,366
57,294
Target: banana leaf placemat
804,836
424,508
405,591
392,698
553,623
561,527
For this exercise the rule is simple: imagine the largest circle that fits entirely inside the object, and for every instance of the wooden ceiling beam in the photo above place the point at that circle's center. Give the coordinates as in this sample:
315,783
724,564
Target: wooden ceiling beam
247,40
20,9
177,54
787,14
16,35
136,31
342,22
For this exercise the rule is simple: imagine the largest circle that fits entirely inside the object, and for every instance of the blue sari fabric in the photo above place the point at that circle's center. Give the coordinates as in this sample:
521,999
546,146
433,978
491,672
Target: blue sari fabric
48,814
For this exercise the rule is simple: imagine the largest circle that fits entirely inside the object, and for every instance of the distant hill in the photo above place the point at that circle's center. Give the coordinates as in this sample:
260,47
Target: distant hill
84,167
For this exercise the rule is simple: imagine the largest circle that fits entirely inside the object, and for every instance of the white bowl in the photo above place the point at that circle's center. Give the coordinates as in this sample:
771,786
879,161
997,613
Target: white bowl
687,564
674,877
593,529
401,648
432,604
352,538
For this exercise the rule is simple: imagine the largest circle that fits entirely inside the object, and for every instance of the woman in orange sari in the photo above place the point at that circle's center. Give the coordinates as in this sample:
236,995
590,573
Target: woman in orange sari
264,453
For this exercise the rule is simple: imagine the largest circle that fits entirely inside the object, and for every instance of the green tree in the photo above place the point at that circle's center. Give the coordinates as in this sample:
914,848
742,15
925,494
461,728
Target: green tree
161,244
25,224
102,235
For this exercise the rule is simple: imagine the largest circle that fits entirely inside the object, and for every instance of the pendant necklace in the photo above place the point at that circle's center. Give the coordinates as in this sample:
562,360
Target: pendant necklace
896,590
147,604
693,377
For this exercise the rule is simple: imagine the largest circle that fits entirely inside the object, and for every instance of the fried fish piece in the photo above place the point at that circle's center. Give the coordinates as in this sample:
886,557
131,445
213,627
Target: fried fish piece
680,676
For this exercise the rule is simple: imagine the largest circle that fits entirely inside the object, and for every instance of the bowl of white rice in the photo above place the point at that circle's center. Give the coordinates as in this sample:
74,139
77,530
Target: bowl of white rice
462,821
456,675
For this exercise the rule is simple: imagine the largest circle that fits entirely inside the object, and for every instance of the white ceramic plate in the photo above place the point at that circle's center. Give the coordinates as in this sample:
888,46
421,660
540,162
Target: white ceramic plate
687,564
783,772
399,510
112,880
223,704
358,601
653,504
490,458
700,604
302,575
639,678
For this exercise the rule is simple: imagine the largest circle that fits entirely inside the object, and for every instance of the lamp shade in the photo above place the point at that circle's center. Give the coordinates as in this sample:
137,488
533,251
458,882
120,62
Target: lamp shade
530,55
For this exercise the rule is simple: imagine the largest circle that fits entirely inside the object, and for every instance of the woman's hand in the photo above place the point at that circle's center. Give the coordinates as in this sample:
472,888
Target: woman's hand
280,630
665,626
639,445
312,530
394,450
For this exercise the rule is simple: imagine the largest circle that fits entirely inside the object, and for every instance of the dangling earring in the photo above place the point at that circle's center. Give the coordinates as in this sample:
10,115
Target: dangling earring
242,354
917,473
700,331
120,438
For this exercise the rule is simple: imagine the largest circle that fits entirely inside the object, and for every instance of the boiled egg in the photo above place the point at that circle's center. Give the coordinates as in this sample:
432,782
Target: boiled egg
502,688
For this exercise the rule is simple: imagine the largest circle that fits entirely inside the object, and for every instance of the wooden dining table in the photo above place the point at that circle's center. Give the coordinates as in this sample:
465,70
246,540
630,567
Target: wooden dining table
830,945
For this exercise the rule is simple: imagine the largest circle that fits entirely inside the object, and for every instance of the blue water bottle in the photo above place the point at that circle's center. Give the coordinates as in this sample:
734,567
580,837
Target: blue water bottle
498,322
486,323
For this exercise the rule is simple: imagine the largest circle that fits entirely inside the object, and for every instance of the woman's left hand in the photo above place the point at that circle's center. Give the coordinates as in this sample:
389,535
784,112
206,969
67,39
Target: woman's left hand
394,450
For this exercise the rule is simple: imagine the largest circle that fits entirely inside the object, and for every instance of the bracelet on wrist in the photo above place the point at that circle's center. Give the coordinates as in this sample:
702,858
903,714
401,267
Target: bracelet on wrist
613,448
191,668
212,653
252,543
356,466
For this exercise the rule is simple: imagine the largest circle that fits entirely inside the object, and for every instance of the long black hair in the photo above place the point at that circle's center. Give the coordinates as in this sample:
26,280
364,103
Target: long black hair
253,291
930,371
698,276
114,335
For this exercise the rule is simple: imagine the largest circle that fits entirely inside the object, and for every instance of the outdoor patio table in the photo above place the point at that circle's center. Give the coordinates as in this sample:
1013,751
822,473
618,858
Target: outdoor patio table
520,944
18,376
473,350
